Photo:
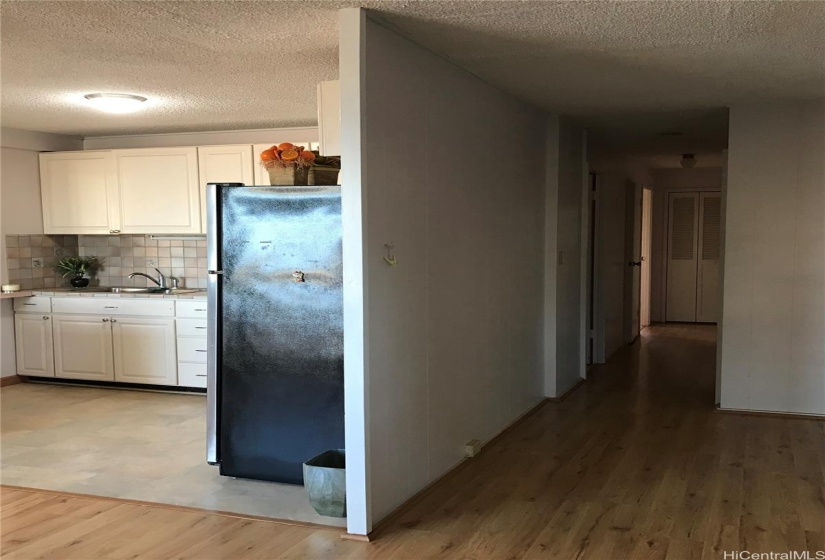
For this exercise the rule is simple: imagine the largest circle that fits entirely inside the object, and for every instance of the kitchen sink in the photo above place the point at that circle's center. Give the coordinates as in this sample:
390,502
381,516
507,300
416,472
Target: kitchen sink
129,290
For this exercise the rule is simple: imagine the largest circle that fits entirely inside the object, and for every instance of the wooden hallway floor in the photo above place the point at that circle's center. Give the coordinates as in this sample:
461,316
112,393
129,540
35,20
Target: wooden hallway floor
634,464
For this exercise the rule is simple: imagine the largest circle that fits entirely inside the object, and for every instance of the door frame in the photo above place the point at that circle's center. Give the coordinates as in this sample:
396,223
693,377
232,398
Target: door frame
647,246
633,250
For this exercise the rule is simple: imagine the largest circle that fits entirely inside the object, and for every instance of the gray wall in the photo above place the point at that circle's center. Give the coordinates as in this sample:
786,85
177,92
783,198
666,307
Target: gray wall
453,174
773,344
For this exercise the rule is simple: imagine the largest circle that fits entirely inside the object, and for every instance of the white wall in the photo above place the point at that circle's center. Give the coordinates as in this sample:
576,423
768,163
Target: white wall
267,136
566,262
453,335
20,210
611,260
664,182
773,346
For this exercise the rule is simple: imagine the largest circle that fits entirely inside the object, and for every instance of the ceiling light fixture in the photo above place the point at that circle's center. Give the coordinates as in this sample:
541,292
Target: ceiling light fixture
688,161
115,102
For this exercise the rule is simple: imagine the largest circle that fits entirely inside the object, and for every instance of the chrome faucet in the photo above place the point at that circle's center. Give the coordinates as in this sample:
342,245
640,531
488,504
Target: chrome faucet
160,281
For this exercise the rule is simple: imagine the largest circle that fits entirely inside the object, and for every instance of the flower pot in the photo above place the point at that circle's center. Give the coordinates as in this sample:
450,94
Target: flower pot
325,481
290,175
79,282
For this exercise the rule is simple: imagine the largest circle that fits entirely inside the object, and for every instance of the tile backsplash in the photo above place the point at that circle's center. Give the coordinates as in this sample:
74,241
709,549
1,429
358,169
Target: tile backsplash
31,259
121,255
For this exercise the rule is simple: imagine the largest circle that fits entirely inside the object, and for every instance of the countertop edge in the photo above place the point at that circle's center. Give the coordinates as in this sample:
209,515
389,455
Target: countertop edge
12,295
199,295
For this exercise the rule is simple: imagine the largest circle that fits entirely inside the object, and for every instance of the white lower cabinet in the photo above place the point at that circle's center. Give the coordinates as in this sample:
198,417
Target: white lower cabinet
33,344
83,347
144,350
150,342
192,342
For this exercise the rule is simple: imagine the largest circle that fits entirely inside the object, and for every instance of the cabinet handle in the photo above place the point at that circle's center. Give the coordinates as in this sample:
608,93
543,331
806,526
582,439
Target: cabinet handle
110,307
200,350
200,327
114,231
114,320
105,320
195,309
200,375
45,317
29,304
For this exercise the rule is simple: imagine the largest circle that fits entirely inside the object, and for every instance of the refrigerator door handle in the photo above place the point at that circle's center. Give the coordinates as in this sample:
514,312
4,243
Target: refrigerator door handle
213,292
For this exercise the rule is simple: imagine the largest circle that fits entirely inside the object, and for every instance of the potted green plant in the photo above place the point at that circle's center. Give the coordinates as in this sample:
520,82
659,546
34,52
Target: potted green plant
77,268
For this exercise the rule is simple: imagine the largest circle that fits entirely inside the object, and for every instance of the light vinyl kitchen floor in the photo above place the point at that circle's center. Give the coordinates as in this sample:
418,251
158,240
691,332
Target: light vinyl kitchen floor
128,444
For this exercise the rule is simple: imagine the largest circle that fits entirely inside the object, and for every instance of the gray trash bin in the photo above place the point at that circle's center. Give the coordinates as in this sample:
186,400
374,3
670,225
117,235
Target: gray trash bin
325,480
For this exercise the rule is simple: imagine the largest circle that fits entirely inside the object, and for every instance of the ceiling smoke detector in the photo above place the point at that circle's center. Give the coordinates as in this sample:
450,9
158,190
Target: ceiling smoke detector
115,102
688,161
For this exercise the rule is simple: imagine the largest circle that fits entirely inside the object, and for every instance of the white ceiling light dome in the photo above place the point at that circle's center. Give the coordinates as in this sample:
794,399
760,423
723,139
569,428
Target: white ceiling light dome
115,102
688,161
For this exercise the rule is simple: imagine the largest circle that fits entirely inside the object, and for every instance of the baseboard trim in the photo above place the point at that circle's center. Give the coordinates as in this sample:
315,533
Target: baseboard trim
188,509
10,380
568,392
768,413
358,538
447,476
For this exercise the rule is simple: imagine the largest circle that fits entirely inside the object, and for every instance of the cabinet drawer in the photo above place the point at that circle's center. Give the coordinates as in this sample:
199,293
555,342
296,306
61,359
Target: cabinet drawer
192,309
33,305
191,327
114,306
192,375
192,350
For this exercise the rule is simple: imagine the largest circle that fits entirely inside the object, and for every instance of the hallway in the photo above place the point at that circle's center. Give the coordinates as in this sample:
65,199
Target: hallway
634,464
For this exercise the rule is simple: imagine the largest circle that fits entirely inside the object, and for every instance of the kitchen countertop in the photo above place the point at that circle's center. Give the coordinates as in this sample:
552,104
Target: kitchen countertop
69,292
10,295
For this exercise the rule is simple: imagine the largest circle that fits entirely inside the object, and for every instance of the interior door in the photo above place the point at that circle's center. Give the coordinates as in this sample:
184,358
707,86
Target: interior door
634,261
682,241
707,273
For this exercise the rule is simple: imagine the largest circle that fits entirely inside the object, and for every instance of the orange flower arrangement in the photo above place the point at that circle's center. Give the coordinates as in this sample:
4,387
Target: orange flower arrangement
286,154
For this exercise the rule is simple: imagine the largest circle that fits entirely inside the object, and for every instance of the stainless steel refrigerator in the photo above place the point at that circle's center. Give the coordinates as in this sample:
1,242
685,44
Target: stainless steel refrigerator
275,379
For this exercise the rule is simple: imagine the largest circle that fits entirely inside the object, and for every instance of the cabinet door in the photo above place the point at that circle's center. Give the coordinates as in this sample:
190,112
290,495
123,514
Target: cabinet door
33,343
83,347
223,164
79,192
159,190
144,350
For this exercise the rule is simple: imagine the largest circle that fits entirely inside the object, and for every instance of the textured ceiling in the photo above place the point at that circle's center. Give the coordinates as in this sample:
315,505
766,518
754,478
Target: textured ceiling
234,65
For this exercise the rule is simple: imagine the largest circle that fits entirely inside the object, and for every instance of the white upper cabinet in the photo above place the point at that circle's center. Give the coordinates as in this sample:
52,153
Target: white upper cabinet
79,192
223,164
159,190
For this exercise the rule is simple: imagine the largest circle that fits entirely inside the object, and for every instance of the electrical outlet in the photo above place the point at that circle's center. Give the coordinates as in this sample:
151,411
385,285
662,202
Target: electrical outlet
59,252
151,262
37,262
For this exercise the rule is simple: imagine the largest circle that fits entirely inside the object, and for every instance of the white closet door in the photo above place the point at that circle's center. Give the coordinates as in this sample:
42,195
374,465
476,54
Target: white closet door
682,244
707,289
